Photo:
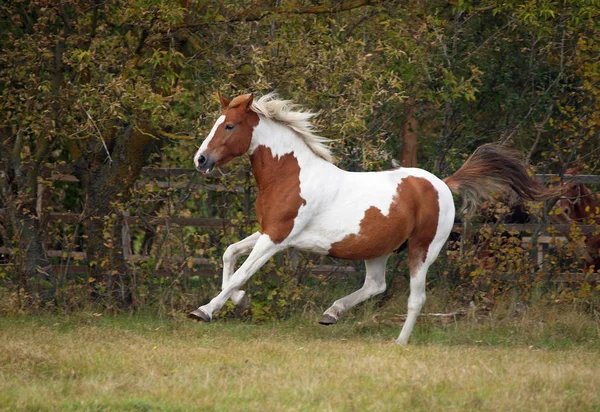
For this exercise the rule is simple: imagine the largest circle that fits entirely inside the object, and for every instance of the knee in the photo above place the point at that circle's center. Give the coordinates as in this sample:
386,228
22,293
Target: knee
230,253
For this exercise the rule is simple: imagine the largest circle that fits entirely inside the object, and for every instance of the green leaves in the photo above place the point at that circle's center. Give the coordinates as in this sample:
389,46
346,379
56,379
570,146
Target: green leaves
75,74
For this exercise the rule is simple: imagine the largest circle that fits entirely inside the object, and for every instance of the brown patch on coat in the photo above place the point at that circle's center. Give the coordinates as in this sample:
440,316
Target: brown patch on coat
413,215
228,144
279,197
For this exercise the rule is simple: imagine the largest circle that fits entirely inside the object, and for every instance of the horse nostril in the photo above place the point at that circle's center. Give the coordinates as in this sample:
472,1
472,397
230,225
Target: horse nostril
201,160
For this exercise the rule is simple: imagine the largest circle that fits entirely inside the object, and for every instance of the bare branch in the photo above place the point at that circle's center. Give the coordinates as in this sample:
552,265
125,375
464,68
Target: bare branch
97,131
256,14
540,130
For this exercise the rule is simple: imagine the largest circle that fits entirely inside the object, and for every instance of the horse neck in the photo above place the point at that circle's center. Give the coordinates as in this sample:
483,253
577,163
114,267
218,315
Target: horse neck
278,153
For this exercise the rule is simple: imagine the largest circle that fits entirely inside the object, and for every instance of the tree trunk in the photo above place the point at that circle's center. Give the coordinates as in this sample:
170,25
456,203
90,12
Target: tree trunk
107,175
409,137
34,271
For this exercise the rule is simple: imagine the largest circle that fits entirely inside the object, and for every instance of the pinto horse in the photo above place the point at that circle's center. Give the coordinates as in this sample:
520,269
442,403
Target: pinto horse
306,202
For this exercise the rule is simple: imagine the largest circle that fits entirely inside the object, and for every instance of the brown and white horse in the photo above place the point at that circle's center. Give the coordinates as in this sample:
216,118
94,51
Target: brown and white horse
306,202
578,204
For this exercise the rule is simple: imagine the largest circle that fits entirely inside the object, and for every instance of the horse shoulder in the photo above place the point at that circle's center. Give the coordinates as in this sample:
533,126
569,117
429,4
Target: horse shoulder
279,197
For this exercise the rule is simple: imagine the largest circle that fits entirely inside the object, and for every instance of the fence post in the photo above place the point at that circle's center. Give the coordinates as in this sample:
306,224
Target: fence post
126,236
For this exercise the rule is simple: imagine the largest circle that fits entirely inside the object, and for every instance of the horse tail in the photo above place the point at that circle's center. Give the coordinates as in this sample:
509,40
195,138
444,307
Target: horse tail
493,169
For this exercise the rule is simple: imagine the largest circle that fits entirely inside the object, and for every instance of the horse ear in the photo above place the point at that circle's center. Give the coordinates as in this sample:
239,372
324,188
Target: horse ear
248,102
224,101
584,189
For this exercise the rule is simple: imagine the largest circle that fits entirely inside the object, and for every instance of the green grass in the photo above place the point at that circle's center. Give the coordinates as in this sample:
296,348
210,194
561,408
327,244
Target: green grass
547,359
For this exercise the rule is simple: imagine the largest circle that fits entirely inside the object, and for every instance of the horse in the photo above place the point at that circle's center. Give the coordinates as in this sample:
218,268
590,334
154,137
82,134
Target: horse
577,203
306,202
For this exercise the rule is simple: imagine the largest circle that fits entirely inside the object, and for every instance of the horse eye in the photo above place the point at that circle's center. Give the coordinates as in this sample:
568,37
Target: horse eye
229,126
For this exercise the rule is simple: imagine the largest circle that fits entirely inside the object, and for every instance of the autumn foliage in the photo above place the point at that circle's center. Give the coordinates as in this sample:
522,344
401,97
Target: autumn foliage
98,90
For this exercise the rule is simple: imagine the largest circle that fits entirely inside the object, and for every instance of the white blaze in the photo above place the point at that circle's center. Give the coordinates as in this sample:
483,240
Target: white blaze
208,139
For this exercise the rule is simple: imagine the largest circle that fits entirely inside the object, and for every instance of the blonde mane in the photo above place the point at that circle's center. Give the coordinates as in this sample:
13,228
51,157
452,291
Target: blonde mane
271,107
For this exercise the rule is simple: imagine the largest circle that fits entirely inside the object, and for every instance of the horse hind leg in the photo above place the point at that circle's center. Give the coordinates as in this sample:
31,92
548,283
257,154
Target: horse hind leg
420,257
374,285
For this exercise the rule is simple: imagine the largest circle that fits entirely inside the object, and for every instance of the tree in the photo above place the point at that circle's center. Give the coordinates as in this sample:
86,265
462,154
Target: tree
99,89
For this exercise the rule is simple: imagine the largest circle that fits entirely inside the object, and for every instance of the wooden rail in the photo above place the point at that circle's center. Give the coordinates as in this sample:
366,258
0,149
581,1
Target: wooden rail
211,223
63,173
151,176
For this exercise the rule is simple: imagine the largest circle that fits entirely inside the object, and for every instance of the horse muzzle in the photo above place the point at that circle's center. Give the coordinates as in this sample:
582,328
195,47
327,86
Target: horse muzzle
205,164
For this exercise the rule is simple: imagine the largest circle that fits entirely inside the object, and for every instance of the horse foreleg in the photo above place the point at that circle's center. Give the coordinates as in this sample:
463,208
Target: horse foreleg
230,257
262,252
374,285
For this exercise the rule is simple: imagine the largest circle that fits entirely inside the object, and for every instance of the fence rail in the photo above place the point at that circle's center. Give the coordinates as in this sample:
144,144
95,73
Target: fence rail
150,176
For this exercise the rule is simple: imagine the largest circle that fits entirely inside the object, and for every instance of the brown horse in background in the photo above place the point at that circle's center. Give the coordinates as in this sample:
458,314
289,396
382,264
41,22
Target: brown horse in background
580,205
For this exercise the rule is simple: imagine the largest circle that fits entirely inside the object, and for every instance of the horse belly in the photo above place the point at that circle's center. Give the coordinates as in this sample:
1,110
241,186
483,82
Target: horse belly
378,235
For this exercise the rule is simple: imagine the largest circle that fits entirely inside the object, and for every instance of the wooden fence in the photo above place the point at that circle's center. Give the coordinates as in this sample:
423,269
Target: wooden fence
158,176
149,176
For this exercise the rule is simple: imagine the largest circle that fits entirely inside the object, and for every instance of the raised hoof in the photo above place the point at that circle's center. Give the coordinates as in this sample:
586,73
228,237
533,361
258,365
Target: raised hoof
199,315
327,320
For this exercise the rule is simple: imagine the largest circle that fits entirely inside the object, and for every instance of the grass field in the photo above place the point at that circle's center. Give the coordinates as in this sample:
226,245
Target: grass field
544,360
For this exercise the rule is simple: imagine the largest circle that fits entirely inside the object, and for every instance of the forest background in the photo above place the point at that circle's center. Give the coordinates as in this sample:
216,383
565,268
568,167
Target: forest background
100,89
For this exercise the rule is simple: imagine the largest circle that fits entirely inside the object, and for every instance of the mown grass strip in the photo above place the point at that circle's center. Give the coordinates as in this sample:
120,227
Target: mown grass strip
141,363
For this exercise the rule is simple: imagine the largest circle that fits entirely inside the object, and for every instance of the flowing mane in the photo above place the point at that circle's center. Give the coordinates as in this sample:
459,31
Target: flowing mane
271,107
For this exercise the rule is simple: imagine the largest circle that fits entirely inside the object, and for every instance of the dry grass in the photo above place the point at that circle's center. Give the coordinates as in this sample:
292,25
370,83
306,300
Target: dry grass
88,362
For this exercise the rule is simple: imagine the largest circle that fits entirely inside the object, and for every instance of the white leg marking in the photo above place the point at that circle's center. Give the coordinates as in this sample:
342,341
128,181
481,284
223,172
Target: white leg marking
262,252
374,285
417,296
231,256
416,300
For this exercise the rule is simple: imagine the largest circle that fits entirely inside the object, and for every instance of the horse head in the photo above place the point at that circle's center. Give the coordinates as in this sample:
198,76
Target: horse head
576,202
231,134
